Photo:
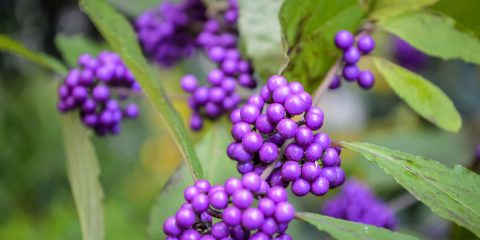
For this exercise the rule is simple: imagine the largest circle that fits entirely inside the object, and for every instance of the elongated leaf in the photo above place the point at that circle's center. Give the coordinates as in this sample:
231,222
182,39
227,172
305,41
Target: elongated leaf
309,28
435,34
71,47
451,193
421,95
9,45
260,29
380,9
121,37
346,230
83,172
219,168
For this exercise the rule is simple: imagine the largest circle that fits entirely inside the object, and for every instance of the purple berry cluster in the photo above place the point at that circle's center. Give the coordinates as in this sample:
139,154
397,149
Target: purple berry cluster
345,41
244,209
357,203
96,89
210,101
408,56
269,129
169,32
219,41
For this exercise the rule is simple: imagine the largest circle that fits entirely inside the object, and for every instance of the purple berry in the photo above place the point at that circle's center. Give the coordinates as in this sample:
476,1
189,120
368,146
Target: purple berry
320,186
350,72
366,80
253,218
251,181
294,152
249,113
287,128
291,171
300,187
242,199
366,44
252,142
268,152
344,40
351,56
275,112
295,105
304,136
284,212
275,82
189,83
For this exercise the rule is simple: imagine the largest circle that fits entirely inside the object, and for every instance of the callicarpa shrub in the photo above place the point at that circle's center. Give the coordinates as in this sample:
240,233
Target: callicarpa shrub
97,89
271,64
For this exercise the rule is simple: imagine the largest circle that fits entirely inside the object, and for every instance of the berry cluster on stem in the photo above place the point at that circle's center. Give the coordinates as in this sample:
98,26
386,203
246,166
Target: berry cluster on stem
275,131
352,52
96,89
246,208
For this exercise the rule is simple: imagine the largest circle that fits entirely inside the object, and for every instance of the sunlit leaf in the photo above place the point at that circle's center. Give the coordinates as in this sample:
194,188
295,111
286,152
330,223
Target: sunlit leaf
83,172
9,45
435,34
421,95
346,230
118,32
451,193
309,28
379,9
260,29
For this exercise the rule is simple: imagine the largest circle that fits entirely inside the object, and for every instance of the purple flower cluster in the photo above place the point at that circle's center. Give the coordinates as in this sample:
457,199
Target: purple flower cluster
345,41
96,89
265,130
169,33
219,41
357,203
408,56
245,209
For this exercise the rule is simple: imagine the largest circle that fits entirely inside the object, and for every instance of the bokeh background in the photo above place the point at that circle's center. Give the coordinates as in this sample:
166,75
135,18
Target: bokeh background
35,198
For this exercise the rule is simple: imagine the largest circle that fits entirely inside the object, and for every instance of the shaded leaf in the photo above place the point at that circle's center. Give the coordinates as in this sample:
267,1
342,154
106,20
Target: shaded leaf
421,95
309,28
451,193
71,47
134,10
435,34
341,229
379,9
83,172
260,29
9,45
218,168
119,34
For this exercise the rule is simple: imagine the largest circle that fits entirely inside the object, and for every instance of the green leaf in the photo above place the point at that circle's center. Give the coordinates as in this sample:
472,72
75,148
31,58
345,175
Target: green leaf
421,95
71,47
83,172
380,9
309,28
119,34
435,34
9,45
451,193
260,29
134,10
345,230
211,150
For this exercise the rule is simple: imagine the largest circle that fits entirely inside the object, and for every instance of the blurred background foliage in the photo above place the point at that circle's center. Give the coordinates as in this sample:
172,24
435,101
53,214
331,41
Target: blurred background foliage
35,199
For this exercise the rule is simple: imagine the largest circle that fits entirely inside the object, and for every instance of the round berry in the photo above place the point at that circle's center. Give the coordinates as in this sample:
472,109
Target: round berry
215,77
277,194
170,227
310,171
185,217
275,112
284,212
344,40
366,79
295,105
252,219
275,82
232,216
232,185
296,87
304,136
249,113
264,125
252,142
239,130
235,116
313,152
280,94
242,199
200,203
267,206
351,56
291,171
350,72
293,152
189,83
366,44
268,152
300,187
287,128
330,158
320,186
218,199
336,82
251,181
